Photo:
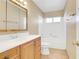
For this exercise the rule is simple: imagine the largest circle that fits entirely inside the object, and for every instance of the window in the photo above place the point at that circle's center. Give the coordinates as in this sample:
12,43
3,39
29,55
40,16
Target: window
57,19
54,19
40,21
49,20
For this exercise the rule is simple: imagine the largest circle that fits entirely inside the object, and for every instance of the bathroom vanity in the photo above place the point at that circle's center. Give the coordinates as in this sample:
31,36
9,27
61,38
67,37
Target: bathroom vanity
13,19
28,47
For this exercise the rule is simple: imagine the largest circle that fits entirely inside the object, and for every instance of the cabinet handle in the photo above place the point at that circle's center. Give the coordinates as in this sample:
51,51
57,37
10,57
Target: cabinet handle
6,57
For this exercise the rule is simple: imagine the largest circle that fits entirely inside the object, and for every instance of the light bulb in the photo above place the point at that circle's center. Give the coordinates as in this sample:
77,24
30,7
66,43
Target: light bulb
21,0
25,3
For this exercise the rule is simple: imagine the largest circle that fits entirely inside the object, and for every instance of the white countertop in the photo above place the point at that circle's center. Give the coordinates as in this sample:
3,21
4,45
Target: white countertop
11,43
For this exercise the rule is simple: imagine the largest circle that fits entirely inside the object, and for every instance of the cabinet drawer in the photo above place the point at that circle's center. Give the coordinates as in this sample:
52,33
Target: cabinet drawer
10,54
38,42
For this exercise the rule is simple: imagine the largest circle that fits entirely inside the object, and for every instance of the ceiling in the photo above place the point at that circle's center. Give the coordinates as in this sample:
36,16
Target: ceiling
50,5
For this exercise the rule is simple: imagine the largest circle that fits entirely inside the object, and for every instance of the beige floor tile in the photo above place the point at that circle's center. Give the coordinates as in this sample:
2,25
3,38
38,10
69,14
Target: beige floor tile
56,54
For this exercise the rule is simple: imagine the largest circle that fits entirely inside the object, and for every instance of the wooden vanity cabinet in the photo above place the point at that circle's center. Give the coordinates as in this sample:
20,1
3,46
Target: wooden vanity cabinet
38,48
10,54
29,50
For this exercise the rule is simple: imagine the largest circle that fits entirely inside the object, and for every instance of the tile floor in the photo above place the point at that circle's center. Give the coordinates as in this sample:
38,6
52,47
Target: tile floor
56,54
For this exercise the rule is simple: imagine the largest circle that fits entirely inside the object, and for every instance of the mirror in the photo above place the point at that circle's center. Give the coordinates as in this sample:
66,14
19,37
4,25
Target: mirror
16,17
13,17
2,15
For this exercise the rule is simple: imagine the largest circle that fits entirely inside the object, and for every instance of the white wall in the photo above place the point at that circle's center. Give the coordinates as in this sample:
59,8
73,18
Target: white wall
55,33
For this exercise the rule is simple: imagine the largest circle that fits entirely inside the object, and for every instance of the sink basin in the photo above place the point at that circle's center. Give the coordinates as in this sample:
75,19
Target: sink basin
16,36
5,38
13,36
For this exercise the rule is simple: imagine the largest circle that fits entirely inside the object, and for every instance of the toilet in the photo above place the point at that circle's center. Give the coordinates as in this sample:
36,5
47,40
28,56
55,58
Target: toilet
44,48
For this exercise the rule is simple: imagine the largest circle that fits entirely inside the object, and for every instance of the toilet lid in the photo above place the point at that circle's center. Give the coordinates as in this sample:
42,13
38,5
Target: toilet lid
44,43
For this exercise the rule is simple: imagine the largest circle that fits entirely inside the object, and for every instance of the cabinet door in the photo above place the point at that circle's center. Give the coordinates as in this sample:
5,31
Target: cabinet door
27,51
10,54
2,14
38,48
13,53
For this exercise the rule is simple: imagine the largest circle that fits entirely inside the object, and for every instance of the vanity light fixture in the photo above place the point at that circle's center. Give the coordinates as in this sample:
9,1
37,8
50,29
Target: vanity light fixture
21,0
20,3
25,3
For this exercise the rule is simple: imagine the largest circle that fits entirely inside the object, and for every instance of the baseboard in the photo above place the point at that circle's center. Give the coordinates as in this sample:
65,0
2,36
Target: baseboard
58,48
